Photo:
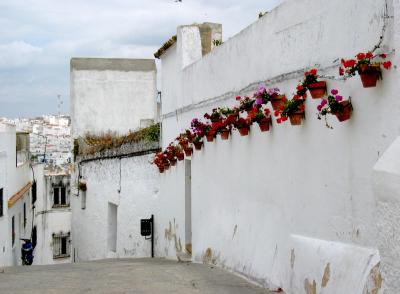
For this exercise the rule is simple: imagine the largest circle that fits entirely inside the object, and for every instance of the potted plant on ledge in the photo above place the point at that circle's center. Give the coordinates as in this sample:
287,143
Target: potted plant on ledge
335,105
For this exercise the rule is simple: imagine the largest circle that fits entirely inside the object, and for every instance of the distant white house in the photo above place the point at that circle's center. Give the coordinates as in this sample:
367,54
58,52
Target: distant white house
53,217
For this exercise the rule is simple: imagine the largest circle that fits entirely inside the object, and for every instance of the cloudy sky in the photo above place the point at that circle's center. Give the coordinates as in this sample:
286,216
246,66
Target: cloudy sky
38,38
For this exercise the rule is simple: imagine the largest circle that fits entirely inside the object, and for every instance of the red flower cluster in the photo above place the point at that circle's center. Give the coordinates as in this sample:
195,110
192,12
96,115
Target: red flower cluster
350,67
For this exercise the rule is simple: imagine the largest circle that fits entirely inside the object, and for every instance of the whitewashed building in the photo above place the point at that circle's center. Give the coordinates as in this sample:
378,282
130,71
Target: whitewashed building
118,187
305,209
53,217
301,209
115,95
16,197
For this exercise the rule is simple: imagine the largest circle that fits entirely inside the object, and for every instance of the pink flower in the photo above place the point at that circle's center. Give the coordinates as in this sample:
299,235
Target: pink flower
334,91
319,107
338,98
323,102
238,97
259,101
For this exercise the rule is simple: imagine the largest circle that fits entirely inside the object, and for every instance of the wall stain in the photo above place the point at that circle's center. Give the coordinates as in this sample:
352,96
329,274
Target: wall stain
209,258
310,288
375,280
234,231
327,275
170,234
292,258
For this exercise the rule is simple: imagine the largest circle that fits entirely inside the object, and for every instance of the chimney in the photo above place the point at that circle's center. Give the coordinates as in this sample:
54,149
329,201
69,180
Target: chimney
197,40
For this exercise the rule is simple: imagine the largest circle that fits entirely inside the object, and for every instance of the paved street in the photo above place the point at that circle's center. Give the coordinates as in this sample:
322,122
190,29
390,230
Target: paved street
124,276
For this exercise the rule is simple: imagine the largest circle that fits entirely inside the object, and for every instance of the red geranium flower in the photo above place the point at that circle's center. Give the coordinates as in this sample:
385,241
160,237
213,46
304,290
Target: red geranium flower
299,87
278,120
383,55
360,56
341,71
238,97
283,118
284,99
313,71
276,113
349,63
369,55
387,64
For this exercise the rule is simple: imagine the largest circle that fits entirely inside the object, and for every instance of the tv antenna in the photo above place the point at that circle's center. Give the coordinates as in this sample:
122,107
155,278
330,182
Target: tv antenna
59,104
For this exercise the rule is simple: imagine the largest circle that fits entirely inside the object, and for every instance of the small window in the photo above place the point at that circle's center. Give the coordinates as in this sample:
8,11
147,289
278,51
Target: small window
1,202
60,197
61,245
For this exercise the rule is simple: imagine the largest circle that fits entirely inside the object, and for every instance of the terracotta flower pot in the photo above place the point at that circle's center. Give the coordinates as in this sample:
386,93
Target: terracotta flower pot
296,117
180,156
166,166
347,111
216,122
198,145
161,169
264,124
277,102
224,134
369,75
244,131
188,151
172,161
318,89
210,137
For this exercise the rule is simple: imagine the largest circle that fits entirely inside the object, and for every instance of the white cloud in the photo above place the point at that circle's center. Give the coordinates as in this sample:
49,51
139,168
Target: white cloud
17,54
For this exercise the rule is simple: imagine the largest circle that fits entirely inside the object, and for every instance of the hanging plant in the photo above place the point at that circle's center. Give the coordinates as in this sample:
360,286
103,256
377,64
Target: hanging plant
161,161
317,88
294,109
215,117
243,125
202,129
246,103
262,117
335,105
367,65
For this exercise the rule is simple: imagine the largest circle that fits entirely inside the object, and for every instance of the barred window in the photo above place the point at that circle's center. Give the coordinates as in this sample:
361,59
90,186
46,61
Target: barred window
61,245
60,197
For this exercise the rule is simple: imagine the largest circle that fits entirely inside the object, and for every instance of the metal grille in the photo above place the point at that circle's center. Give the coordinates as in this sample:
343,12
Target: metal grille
60,197
61,245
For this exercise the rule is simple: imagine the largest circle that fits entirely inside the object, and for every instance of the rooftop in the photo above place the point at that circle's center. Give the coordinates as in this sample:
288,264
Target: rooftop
117,64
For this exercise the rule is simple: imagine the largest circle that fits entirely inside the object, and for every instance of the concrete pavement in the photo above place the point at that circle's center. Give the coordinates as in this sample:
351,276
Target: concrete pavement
139,276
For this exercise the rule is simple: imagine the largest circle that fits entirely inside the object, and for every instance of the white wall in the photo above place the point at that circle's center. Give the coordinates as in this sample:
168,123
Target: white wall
4,240
288,206
13,179
131,184
107,96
